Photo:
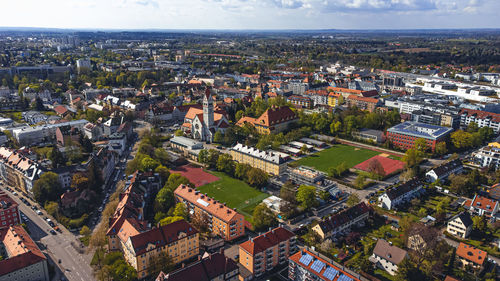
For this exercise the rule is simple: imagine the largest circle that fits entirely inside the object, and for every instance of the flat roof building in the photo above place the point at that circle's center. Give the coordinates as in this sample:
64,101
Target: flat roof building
405,134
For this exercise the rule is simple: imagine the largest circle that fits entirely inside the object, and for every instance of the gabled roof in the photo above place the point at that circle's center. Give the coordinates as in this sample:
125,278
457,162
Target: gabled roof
23,251
207,269
159,237
447,167
206,203
404,188
358,98
464,217
266,240
389,252
343,217
478,114
276,115
471,253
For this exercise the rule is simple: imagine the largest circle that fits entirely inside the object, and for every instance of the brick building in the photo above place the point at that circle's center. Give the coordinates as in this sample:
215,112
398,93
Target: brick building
405,134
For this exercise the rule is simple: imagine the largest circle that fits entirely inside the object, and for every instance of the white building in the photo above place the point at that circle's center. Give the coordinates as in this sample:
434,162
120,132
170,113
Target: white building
83,63
443,171
481,118
487,156
43,133
460,225
387,257
400,194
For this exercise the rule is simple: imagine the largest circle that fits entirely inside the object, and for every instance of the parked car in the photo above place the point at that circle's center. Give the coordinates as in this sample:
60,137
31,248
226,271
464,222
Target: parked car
38,212
53,232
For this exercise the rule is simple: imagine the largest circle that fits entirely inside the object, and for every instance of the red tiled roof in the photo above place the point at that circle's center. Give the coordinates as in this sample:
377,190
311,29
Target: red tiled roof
60,109
266,240
159,237
449,278
495,117
275,116
358,98
483,203
471,253
213,207
22,249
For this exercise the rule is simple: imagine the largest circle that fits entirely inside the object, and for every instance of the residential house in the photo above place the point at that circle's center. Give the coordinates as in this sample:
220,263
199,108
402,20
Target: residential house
387,257
482,206
300,101
481,118
266,251
9,211
487,156
21,260
400,194
214,266
273,120
268,161
342,222
460,225
112,124
34,117
93,131
179,240
470,256
444,170
308,265
117,142
221,220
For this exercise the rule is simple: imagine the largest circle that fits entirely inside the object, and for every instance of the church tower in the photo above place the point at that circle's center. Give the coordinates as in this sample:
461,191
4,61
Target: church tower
208,109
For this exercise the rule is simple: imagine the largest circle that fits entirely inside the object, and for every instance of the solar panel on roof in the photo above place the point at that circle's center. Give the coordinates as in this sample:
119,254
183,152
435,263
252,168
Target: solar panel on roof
344,278
330,273
317,266
306,259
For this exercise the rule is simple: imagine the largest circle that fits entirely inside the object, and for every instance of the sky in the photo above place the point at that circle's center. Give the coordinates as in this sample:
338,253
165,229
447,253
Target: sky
250,14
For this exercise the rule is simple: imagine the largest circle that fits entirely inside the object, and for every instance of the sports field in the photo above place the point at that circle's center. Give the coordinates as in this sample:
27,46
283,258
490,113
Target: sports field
235,193
335,155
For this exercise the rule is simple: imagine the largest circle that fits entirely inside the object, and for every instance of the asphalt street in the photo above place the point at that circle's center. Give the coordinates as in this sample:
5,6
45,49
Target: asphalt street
65,246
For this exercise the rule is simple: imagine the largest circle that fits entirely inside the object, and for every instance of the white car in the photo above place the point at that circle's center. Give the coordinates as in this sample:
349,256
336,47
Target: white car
39,212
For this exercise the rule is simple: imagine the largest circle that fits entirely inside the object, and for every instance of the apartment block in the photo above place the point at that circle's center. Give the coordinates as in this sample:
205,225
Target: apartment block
222,220
22,259
274,120
268,161
9,211
179,240
18,170
264,252
481,118
362,103
400,194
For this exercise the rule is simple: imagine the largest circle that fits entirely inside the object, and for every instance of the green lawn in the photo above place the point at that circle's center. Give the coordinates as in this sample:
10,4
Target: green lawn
235,193
335,155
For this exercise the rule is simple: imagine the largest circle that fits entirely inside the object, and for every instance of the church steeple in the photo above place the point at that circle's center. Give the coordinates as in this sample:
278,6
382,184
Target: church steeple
208,109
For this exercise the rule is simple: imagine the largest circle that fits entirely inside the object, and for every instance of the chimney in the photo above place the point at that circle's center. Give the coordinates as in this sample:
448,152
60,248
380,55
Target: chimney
221,250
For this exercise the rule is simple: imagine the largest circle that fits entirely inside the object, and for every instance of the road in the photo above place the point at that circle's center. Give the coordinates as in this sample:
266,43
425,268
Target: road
75,263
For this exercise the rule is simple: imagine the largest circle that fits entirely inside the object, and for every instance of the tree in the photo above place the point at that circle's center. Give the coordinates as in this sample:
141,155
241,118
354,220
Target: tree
263,217
169,220
181,211
161,262
85,231
407,175
148,164
412,157
52,208
376,168
306,196
461,139
479,223
163,172
287,192
174,180
179,133
408,272
225,164
338,171
218,137
56,157
79,181
352,200
87,145
161,155
241,170
164,200
201,220
47,188
203,156
304,149
360,181
257,177
421,145
441,148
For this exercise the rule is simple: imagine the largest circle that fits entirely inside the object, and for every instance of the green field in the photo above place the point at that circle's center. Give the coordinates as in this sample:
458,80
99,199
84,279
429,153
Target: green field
335,155
235,193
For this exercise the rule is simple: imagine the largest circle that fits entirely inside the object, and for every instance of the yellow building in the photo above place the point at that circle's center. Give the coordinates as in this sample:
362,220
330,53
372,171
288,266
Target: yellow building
273,120
333,99
179,240
268,161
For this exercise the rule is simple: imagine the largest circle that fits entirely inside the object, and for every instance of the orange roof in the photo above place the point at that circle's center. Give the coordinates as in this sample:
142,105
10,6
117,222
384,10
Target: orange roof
206,203
276,115
266,240
244,120
22,250
371,100
193,81
483,203
60,109
344,90
471,253
449,278
127,230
